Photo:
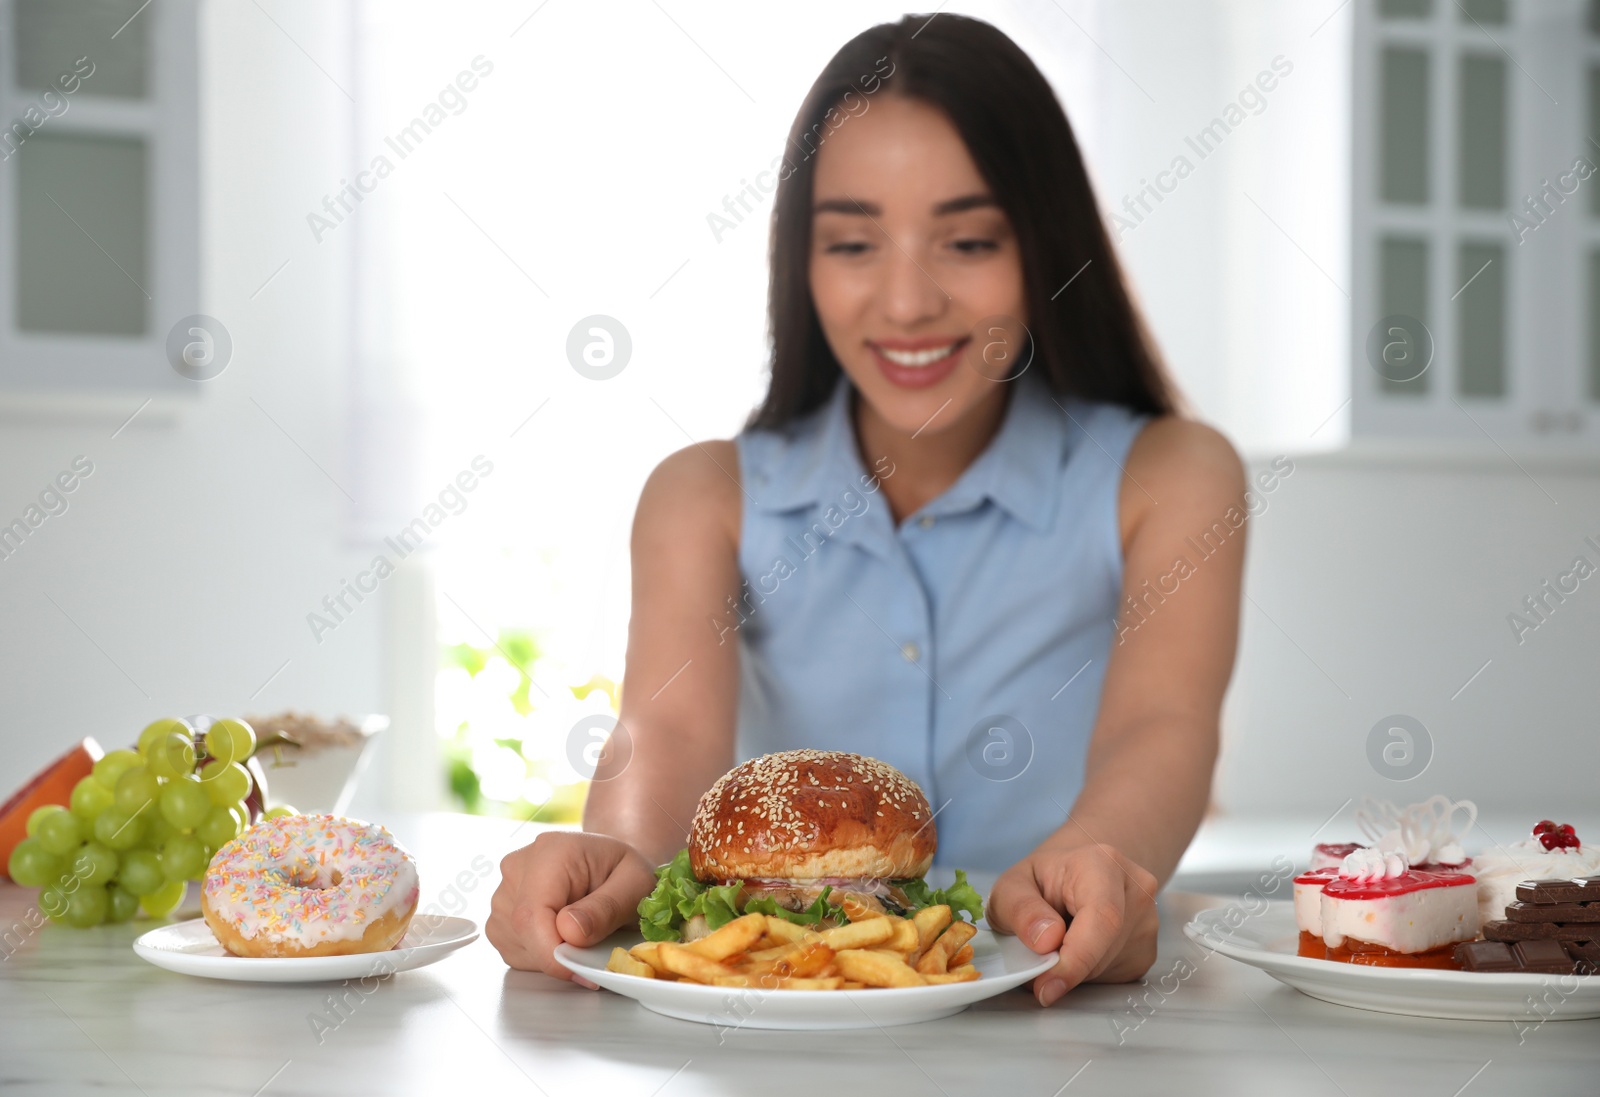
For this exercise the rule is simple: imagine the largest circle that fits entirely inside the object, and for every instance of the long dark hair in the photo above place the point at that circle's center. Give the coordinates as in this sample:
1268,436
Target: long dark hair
1090,341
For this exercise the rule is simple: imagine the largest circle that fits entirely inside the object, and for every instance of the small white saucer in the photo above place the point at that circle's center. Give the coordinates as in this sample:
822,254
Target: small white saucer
190,948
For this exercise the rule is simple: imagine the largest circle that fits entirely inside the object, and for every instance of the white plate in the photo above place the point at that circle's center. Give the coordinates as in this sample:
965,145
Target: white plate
189,948
1270,941
1002,961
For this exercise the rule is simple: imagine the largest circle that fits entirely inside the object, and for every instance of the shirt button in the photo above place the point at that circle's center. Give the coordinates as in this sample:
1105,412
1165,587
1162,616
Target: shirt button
926,521
911,652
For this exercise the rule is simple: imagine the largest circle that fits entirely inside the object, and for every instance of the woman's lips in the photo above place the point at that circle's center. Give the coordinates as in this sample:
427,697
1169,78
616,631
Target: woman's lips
919,376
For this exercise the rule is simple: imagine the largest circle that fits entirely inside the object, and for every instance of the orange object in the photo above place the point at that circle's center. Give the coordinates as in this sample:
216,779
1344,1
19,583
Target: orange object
51,785
1363,952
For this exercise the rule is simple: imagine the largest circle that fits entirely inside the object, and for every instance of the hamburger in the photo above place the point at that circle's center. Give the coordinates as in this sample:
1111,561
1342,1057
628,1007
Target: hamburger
792,835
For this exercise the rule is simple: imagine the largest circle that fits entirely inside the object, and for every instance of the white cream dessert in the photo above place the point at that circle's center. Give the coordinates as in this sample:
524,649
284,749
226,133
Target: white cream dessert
1381,910
1428,833
1308,898
1553,853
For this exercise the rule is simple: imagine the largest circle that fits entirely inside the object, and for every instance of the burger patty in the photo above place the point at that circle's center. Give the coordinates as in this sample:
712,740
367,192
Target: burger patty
797,895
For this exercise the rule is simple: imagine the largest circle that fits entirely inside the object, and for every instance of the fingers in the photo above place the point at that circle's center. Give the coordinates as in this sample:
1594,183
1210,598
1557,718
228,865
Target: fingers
536,882
1138,952
519,928
564,887
1017,906
511,942
1090,904
536,927
498,928
1095,892
613,904
597,915
1135,950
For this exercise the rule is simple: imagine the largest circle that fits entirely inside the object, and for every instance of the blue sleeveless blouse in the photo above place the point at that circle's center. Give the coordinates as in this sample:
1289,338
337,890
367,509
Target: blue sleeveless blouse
967,646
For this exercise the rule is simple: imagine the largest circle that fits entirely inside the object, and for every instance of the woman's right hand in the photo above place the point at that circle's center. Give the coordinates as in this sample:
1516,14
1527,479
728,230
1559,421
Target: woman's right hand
564,886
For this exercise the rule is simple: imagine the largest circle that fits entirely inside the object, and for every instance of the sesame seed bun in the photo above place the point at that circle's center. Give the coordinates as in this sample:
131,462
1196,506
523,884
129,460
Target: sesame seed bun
805,814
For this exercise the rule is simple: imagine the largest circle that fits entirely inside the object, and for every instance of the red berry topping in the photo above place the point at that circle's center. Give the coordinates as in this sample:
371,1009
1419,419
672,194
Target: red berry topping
1553,836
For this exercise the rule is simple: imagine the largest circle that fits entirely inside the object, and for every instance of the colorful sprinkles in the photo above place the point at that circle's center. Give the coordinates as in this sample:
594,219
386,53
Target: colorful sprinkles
309,878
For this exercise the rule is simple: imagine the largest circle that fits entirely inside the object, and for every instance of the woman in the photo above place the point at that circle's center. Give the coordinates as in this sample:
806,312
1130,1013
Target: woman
956,535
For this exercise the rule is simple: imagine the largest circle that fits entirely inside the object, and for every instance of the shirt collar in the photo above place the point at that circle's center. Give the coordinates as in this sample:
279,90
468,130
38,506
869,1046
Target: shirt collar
1020,469
820,461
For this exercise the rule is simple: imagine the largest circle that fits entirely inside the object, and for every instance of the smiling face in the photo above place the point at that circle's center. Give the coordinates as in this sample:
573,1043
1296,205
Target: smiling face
909,254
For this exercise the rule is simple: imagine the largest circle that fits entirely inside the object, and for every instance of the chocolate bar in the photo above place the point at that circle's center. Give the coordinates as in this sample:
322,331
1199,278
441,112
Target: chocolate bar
1552,929
1505,930
1485,956
1584,950
1553,912
1579,890
1541,957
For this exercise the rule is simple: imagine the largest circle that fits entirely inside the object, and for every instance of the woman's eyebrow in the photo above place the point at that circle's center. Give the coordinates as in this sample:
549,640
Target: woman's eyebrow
873,209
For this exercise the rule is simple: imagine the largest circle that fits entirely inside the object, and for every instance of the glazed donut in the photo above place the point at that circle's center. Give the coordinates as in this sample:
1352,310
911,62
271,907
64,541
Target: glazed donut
310,885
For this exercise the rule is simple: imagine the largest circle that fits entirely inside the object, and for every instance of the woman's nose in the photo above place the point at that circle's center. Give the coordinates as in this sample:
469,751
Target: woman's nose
910,293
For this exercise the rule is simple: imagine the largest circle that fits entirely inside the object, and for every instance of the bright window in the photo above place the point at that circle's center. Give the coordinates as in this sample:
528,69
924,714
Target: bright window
1474,132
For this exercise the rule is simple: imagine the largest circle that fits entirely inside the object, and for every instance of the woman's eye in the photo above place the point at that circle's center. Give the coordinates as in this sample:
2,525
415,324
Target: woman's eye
855,247
973,247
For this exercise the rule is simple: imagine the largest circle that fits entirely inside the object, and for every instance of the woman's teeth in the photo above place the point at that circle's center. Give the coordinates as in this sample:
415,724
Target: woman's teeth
917,358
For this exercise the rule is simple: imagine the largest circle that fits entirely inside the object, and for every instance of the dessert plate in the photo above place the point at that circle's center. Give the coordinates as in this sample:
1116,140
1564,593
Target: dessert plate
189,948
1002,961
1270,941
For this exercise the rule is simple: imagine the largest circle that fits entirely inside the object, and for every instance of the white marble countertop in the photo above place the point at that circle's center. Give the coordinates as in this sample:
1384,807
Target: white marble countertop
80,1013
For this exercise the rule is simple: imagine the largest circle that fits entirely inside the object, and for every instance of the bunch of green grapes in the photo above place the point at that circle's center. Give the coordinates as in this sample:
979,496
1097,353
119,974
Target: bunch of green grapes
140,826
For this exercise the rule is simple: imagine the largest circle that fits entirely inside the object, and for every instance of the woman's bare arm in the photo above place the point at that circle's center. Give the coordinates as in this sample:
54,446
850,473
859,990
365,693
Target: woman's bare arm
1088,890
1148,775
675,732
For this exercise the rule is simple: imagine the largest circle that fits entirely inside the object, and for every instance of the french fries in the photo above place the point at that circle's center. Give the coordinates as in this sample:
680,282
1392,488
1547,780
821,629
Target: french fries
784,930
685,961
935,959
806,958
873,931
621,961
739,935
878,969
930,922
780,982
857,911
648,953
759,952
963,974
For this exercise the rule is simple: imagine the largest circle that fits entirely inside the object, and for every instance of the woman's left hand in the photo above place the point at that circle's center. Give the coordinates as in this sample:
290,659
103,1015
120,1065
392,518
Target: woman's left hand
1091,903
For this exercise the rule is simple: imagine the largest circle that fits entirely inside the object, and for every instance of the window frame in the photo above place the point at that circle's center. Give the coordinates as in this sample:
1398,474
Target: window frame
168,121
1546,339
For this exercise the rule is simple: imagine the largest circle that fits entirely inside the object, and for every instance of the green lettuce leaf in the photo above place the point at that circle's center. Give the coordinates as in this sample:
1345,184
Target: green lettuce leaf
812,915
961,897
678,896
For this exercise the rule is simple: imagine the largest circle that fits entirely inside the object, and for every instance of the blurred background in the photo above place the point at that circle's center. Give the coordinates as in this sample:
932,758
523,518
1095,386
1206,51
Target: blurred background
280,279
